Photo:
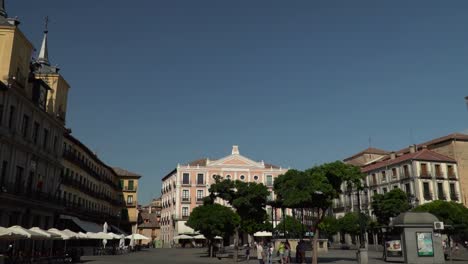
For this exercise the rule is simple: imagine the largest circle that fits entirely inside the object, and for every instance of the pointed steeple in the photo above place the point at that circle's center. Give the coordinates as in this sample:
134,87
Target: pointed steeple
2,9
43,57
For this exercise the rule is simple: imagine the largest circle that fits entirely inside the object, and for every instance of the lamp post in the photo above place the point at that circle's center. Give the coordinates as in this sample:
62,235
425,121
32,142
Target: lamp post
362,251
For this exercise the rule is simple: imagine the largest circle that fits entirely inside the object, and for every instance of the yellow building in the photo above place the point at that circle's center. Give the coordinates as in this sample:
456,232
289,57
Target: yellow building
129,183
90,191
30,136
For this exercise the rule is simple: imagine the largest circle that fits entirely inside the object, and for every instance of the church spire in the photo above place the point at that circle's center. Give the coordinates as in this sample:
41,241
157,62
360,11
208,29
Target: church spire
43,57
2,9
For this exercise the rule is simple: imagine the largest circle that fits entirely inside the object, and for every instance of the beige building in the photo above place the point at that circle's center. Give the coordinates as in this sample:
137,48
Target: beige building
90,191
31,131
129,182
150,225
184,188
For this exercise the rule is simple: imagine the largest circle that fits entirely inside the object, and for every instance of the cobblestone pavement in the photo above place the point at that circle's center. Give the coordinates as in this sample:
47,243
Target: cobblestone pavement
181,255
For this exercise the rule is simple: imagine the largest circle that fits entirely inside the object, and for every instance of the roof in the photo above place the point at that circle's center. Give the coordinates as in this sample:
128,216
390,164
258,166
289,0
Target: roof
153,220
414,218
450,137
125,173
368,151
425,155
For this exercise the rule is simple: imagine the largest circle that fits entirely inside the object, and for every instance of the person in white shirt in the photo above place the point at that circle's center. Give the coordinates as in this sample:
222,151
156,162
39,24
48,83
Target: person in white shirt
260,253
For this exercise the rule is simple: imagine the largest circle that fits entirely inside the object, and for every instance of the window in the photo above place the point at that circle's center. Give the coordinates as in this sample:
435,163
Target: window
130,199
374,179
406,170
185,195
11,118
242,177
426,191
395,187
199,195
25,125
46,138
19,179
35,134
453,192
256,178
55,143
440,191
408,189
185,212
438,171
228,177
185,178
4,172
450,171
384,190
394,173
424,172
269,180
375,192
130,185
200,179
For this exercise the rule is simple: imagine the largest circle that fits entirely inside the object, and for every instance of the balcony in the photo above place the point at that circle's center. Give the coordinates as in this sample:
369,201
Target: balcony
441,196
200,200
425,176
440,176
131,203
185,217
427,196
185,200
454,197
186,183
130,188
201,183
452,177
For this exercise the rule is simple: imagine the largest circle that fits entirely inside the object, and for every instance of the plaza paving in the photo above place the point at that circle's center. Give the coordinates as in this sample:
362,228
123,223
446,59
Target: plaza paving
182,255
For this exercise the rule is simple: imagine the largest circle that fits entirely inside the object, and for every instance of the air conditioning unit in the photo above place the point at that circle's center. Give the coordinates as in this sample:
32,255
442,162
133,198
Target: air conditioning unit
438,225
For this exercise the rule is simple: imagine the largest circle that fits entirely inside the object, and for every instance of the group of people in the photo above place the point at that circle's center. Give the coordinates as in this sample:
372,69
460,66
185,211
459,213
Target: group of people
266,252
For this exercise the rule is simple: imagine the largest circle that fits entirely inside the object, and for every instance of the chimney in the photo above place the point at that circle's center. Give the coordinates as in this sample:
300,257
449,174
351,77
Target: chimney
392,155
235,150
412,148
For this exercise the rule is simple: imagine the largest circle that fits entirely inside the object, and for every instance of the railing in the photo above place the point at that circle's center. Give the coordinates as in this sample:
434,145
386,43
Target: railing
440,176
452,177
269,184
185,199
427,196
186,183
31,193
132,203
130,189
201,183
441,196
454,196
425,176
200,199
185,217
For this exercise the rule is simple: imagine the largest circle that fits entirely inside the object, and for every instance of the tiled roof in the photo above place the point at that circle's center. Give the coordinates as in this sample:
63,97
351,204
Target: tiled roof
198,162
269,166
123,172
424,155
453,136
153,220
368,151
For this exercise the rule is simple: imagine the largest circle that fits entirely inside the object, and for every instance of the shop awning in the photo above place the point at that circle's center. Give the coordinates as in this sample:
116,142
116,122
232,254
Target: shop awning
85,225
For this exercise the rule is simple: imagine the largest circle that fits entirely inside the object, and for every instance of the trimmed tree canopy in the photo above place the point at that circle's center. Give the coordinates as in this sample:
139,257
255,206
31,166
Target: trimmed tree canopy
389,205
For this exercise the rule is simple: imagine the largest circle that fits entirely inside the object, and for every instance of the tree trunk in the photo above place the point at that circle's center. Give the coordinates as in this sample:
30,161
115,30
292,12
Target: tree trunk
314,246
210,250
236,241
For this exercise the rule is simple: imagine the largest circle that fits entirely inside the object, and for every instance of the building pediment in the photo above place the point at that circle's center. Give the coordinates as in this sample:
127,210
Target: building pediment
235,160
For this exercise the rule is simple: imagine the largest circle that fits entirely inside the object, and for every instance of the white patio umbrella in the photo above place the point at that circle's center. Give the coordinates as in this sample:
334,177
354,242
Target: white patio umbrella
182,237
48,234
72,234
263,234
82,235
122,242
104,227
9,235
25,232
218,237
132,241
199,237
137,236
114,236
63,235
99,235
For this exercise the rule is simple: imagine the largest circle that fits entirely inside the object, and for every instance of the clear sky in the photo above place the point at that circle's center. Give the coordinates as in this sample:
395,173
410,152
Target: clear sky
294,83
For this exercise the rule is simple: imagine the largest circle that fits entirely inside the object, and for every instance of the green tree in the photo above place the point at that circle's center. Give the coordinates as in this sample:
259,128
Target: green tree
349,223
249,201
291,225
213,220
451,213
315,190
389,205
329,226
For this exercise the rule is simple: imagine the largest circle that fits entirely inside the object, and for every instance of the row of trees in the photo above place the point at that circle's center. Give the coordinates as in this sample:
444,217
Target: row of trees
310,192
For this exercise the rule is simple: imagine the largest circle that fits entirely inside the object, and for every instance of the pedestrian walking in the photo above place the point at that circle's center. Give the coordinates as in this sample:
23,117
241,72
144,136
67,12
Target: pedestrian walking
287,252
247,253
260,253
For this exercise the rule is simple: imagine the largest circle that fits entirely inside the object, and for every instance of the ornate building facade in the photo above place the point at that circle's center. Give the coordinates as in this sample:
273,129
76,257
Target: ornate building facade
184,188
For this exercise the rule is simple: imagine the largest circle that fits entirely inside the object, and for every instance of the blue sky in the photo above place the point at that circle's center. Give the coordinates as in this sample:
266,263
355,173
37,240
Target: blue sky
294,83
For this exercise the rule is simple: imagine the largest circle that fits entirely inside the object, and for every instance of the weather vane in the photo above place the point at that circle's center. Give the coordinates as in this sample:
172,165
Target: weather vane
46,24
